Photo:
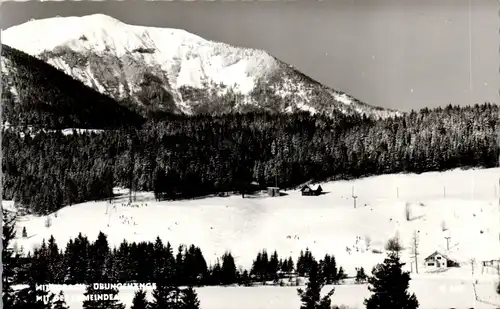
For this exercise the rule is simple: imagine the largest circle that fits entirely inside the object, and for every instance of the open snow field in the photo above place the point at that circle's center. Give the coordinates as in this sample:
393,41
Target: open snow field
432,293
461,205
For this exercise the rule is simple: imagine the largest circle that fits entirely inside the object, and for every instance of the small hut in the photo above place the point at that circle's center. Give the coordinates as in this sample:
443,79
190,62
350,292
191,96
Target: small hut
273,191
309,191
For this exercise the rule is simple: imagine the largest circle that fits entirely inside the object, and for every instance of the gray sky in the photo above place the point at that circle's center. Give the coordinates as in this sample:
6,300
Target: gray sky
404,54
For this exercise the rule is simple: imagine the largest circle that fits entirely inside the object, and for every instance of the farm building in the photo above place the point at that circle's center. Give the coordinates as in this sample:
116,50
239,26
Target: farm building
491,263
490,266
310,191
273,191
439,260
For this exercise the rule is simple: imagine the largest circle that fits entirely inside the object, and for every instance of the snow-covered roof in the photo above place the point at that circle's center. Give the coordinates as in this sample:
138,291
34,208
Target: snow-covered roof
313,188
437,253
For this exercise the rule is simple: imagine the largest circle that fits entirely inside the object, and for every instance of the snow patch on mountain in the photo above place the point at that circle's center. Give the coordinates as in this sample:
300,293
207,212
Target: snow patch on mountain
343,98
101,34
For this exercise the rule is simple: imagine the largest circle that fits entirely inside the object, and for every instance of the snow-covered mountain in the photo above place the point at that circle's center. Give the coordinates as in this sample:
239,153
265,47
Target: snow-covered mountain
173,70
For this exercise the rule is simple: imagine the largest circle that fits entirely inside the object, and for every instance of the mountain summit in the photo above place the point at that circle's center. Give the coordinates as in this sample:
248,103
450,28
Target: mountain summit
162,69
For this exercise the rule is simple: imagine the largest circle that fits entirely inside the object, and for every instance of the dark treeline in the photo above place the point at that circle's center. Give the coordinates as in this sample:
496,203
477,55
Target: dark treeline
86,262
182,157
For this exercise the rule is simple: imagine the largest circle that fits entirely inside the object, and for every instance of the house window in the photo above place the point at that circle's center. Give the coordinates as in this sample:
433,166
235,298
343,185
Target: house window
438,258
430,264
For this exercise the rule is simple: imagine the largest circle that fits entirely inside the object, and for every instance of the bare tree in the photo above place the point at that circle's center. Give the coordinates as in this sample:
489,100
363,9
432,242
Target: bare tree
394,244
472,264
415,242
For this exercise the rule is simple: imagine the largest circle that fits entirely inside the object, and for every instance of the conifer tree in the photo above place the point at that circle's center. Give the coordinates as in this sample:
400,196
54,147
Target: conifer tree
10,260
98,258
140,301
169,270
389,286
180,274
305,262
60,302
123,259
216,273
273,265
329,269
189,268
40,272
245,278
301,264
200,266
229,272
341,275
165,295
69,263
79,258
311,297
260,266
360,275
289,265
189,299
54,261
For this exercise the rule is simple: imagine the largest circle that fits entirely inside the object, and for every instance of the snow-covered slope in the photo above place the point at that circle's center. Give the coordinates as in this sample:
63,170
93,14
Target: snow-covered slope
165,69
462,205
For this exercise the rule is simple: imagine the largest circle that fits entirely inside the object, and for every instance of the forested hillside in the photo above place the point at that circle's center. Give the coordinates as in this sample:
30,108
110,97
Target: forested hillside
182,156
38,95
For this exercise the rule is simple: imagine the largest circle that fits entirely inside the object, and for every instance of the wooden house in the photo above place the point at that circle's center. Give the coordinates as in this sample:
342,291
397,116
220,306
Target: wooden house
309,191
439,260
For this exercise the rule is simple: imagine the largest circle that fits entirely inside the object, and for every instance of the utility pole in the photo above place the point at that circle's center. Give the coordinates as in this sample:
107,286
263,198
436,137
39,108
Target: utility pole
354,197
415,250
447,242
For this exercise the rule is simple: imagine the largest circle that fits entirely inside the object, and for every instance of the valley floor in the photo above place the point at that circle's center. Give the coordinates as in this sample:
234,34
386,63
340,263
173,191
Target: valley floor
433,292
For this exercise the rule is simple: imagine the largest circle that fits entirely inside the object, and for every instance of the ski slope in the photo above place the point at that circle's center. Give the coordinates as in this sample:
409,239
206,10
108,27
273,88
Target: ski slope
461,205
466,202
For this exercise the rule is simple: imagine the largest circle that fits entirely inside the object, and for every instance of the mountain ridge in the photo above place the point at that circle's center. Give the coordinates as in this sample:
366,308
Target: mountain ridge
172,70
36,94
